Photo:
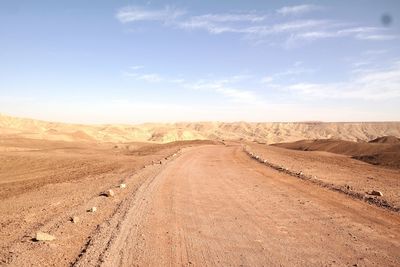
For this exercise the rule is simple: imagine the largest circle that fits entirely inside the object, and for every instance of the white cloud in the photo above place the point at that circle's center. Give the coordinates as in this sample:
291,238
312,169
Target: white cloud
229,17
297,10
227,88
148,77
291,72
134,14
254,31
373,85
361,33
377,37
299,25
254,26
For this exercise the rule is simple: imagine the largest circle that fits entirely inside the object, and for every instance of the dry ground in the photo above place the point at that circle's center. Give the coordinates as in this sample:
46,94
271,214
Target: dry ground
336,169
383,151
44,183
209,205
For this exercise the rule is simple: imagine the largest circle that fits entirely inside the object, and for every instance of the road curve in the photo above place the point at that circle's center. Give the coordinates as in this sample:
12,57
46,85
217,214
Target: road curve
214,206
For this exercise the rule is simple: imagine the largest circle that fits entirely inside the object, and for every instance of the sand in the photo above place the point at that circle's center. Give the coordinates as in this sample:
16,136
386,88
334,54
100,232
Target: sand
192,203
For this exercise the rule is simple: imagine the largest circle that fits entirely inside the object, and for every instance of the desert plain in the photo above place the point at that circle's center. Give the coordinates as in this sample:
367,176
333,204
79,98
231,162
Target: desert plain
199,194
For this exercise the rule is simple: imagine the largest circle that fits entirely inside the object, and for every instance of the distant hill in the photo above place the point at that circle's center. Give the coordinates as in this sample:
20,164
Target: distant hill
269,132
386,140
383,150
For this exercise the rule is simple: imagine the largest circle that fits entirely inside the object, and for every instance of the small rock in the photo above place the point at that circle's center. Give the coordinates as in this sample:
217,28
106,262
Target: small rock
40,236
122,186
93,209
369,198
376,193
75,219
108,193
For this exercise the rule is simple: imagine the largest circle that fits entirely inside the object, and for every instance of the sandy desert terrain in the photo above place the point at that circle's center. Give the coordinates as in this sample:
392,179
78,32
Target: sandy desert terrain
217,202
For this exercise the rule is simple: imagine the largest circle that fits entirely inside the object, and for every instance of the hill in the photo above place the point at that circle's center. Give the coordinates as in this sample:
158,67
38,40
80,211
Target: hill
379,151
268,132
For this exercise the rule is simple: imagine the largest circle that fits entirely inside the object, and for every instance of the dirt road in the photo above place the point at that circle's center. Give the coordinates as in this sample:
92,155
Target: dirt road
213,206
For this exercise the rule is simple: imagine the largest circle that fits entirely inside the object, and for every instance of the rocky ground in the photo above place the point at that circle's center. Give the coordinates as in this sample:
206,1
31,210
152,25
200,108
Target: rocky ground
191,203
45,184
336,171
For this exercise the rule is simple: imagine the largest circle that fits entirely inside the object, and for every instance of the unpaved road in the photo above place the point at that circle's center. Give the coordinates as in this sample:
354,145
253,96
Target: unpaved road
214,206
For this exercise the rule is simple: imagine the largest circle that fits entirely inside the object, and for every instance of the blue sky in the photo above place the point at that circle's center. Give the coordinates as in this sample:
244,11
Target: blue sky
139,61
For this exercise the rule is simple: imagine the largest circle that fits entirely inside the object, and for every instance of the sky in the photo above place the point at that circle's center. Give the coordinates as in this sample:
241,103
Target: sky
156,61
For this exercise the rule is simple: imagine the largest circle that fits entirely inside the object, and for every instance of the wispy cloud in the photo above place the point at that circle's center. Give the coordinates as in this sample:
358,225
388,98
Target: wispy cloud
139,73
297,10
227,87
370,84
229,17
295,70
135,13
378,37
148,77
254,31
362,33
256,26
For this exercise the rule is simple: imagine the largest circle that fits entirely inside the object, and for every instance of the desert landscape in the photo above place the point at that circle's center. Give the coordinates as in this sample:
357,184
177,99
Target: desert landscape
80,195
199,133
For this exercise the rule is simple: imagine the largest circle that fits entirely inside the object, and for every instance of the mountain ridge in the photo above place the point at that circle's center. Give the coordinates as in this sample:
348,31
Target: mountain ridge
266,132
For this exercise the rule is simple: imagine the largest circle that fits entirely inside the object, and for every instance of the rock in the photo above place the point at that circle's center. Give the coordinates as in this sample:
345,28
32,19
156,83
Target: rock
108,193
376,193
122,186
366,197
93,209
75,219
40,236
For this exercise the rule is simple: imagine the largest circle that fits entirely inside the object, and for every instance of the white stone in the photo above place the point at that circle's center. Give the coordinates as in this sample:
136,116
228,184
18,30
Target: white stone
75,219
376,193
108,193
93,209
40,236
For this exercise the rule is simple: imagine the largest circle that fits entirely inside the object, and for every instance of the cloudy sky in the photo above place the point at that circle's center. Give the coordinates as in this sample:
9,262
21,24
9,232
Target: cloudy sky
137,61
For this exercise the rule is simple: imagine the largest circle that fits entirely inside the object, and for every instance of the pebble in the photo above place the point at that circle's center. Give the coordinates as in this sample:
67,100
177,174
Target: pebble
75,219
40,236
376,193
93,209
108,193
